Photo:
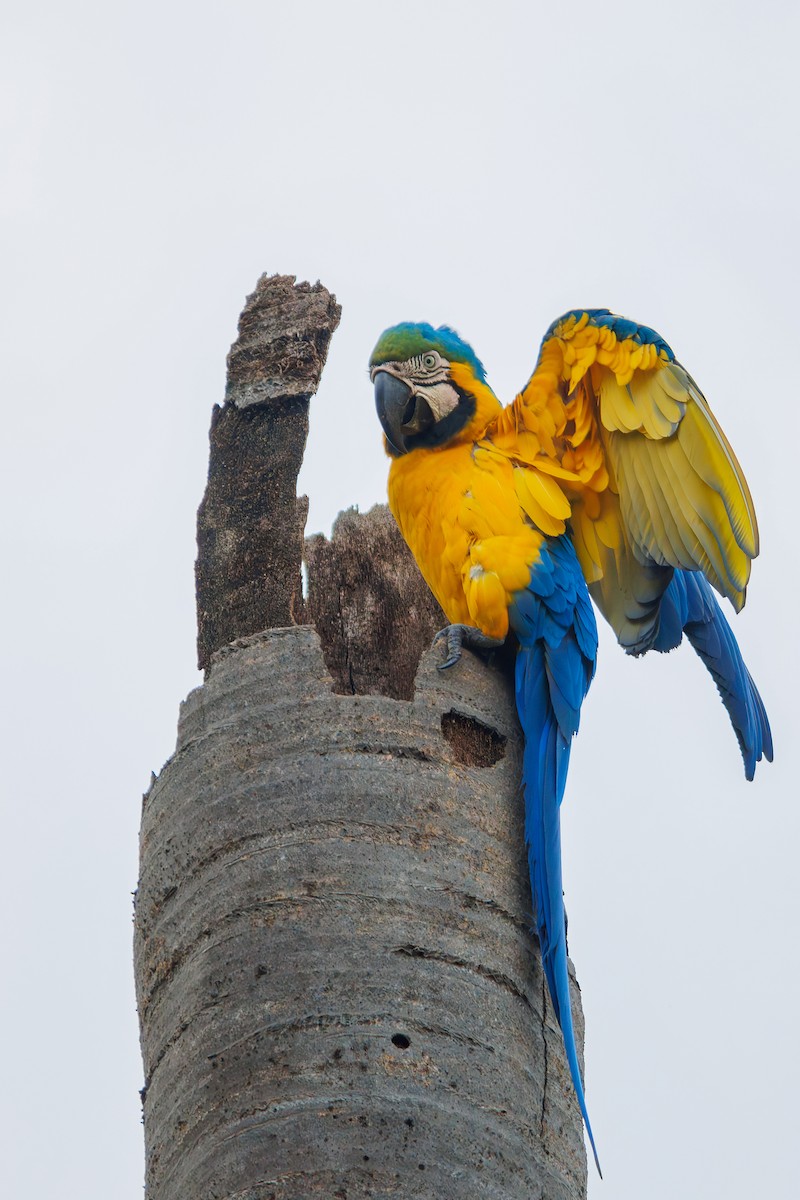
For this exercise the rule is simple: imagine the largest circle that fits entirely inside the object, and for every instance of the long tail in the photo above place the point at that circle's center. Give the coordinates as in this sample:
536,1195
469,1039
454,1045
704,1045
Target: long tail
689,606
550,685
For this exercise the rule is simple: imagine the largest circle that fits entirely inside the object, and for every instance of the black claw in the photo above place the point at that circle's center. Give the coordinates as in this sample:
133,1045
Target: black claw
453,637
458,636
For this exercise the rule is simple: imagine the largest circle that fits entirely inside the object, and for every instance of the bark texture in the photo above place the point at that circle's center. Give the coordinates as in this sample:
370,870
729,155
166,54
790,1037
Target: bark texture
371,607
250,523
338,989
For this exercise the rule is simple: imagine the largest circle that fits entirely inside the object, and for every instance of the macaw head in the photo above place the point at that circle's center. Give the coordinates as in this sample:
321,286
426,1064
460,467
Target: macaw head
427,385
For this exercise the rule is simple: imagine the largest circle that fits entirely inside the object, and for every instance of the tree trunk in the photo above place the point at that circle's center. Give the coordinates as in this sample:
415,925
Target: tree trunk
338,989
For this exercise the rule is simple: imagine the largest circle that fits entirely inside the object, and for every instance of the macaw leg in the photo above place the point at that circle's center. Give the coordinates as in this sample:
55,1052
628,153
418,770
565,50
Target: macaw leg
458,636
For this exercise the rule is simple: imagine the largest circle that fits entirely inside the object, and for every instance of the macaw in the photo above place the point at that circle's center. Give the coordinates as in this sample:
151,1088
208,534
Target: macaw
607,477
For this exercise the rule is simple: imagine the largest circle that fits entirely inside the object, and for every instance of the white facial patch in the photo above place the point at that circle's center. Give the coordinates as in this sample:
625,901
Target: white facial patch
441,398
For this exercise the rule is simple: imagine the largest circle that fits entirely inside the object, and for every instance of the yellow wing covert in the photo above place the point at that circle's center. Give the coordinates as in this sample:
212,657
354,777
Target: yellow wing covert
613,417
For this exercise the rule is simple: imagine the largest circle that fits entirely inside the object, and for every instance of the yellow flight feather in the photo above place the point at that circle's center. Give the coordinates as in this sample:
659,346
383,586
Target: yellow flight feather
536,501
623,416
710,454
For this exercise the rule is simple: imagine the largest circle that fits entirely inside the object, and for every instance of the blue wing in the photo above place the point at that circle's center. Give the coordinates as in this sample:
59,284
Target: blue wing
689,606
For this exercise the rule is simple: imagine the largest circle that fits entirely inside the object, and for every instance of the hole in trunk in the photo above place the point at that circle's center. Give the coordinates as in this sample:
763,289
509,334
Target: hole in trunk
473,743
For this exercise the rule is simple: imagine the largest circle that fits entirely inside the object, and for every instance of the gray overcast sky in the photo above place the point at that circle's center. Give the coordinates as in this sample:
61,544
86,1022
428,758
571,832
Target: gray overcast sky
488,165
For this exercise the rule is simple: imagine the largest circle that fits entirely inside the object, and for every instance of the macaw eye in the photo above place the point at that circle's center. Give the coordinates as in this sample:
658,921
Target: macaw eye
429,361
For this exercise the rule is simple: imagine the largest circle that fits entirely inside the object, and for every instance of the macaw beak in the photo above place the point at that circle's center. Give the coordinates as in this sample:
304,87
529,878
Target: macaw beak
401,413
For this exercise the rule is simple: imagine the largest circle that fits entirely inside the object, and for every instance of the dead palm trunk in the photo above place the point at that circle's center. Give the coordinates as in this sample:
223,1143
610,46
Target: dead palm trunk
338,990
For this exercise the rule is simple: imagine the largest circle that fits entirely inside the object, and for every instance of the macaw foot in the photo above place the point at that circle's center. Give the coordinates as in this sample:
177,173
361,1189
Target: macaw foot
458,636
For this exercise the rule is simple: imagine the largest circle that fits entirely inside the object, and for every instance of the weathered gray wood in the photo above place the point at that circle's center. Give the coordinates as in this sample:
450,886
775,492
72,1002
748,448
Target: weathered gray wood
371,607
250,523
338,989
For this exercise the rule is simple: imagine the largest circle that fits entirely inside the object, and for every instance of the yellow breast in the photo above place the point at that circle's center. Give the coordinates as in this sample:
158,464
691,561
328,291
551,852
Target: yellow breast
458,509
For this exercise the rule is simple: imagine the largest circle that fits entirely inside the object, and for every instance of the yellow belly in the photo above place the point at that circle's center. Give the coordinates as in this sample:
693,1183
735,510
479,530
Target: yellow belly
459,514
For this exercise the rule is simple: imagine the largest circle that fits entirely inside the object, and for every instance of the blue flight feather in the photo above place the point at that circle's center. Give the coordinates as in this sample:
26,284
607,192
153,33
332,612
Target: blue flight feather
689,606
554,623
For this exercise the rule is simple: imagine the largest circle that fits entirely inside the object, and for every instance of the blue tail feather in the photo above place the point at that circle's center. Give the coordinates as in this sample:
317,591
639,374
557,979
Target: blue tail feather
555,664
689,606
544,774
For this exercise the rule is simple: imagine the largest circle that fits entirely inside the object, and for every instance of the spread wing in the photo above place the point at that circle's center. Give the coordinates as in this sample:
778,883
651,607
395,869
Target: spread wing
619,428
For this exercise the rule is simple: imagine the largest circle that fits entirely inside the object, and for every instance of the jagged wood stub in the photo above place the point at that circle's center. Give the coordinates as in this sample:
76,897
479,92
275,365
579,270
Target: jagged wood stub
371,607
250,524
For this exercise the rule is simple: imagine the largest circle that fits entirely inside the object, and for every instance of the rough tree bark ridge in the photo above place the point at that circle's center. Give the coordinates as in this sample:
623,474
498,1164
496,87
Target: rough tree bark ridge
339,993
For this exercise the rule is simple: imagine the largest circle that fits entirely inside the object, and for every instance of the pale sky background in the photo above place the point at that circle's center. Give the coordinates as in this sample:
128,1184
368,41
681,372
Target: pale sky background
485,164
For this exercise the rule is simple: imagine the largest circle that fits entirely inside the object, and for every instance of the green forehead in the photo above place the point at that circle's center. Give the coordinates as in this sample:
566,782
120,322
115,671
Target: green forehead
409,339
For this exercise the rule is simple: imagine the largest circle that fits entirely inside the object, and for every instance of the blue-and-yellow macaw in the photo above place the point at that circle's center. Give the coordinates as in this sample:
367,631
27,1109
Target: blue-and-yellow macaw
607,476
